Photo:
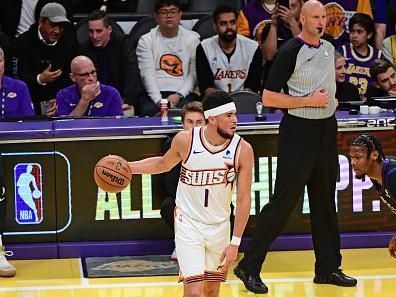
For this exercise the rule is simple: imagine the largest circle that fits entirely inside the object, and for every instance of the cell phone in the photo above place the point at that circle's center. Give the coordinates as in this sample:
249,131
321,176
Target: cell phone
284,3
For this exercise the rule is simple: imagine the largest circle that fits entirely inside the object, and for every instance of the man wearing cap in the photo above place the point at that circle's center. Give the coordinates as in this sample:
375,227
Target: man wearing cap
44,54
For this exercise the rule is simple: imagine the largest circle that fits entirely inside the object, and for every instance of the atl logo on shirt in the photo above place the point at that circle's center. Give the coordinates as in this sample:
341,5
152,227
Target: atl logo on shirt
28,193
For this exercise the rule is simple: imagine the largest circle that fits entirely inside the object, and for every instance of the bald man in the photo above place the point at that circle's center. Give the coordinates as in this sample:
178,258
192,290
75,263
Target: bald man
87,97
307,152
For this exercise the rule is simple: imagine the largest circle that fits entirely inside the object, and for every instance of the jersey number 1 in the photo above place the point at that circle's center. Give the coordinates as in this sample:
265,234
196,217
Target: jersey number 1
206,197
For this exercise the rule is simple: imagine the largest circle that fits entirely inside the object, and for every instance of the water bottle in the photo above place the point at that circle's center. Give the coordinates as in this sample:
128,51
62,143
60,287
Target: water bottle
164,111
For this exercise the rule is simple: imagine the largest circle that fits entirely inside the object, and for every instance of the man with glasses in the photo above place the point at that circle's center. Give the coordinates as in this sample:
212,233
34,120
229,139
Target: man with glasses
166,59
228,61
87,97
44,54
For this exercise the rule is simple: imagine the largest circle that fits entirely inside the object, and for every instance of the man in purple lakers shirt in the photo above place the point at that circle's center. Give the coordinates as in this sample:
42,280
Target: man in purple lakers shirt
15,98
87,97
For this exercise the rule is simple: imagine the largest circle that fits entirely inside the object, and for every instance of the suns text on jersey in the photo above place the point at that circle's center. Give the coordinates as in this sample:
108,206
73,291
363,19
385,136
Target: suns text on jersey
205,177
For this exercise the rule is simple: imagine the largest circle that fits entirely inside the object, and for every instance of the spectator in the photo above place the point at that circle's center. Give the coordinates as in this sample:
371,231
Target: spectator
359,53
284,25
384,80
385,20
339,12
389,48
228,61
44,55
345,91
87,97
166,59
389,44
112,55
192,116
16,16
15,95
254,17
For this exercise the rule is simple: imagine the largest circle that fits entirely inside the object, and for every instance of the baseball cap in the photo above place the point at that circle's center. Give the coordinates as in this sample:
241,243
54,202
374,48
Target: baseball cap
55,12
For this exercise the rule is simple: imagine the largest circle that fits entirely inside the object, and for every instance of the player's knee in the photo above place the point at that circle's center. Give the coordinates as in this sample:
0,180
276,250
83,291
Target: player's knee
211,290
196,292
193,289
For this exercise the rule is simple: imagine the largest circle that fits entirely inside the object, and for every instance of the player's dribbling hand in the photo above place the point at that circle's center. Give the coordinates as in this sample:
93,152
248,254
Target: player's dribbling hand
392,246
229,256
320,98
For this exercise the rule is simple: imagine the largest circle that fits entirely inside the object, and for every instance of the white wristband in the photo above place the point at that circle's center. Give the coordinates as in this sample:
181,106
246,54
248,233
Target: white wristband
235,240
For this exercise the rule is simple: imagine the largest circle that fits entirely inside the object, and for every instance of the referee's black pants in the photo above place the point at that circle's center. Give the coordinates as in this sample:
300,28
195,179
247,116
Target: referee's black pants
307,155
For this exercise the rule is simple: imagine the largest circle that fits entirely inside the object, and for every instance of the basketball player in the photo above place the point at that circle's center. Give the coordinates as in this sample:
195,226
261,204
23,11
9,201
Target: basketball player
211,162
368,158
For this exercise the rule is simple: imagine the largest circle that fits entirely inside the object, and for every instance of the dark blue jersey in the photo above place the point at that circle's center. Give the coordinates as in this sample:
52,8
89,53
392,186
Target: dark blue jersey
387,190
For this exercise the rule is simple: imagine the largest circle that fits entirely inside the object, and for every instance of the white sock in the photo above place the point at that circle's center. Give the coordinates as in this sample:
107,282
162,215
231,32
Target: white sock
1,243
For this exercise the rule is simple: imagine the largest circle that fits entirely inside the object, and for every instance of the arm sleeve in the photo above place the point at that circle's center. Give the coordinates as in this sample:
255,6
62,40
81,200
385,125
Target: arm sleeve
243,25
116,105
26,105
204,73
146,65
391,182
63,107
380,12
131,78
282,69
191,78
25,71
253,79
387,49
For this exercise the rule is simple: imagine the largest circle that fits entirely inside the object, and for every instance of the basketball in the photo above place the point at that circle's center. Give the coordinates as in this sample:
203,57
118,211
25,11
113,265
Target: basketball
112,174
36,194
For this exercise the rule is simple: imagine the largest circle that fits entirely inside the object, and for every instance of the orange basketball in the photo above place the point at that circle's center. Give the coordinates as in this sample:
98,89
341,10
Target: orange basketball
112,174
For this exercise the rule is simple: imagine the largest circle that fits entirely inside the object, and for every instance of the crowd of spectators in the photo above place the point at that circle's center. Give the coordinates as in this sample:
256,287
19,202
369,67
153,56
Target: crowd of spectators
39,45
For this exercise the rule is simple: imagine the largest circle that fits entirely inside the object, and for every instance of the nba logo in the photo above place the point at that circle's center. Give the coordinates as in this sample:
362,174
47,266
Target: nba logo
28,193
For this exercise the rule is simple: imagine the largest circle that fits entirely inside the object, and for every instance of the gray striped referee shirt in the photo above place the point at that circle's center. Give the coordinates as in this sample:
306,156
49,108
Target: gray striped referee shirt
299,69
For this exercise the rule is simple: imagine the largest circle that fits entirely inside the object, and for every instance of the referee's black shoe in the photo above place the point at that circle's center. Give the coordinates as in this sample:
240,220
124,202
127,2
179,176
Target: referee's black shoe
337,278
253,283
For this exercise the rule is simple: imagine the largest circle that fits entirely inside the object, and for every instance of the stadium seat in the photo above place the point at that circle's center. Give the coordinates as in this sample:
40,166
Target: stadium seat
145,6
245,101
82,30
142,27
210,5
204,27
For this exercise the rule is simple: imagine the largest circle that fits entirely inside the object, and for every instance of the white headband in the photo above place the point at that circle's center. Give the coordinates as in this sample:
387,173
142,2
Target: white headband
220,110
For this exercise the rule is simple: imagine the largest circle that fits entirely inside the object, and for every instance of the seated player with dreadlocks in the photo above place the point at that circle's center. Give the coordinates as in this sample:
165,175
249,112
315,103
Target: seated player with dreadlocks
368,158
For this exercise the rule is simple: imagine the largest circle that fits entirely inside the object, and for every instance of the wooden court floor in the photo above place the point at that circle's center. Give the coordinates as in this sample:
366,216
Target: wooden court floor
285,273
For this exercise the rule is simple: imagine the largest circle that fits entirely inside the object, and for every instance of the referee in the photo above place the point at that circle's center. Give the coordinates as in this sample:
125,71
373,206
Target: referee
302,81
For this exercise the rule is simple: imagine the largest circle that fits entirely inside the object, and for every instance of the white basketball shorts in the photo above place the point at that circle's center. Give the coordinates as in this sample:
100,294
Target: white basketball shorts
199,247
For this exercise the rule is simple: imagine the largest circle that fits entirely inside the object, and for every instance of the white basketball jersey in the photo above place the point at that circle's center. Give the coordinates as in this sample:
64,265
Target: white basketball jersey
230,76
207,180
